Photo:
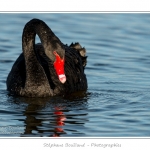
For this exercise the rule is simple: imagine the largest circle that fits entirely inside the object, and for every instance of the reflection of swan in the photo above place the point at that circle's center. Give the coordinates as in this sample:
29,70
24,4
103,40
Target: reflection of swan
35,124
51,116
46,69
59,121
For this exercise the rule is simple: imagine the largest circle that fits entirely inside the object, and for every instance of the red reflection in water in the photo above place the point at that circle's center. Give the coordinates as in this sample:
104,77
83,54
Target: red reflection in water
60,118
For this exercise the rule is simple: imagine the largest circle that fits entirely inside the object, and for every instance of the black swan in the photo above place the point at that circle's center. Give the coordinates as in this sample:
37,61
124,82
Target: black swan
47,69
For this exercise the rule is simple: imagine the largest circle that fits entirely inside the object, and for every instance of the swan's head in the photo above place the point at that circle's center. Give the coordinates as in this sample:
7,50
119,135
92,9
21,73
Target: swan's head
59,67
56,53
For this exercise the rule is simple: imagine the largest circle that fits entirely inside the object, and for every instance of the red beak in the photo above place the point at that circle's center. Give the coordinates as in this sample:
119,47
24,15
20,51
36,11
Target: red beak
59,67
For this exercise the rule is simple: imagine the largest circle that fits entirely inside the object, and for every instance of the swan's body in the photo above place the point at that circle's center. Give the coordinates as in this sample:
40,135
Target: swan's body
35,72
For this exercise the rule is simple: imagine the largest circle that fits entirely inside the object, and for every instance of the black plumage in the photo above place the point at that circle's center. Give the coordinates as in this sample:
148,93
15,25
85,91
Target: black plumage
33,73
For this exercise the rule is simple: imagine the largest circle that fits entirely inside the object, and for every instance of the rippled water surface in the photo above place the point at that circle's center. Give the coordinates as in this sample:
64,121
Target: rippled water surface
117,102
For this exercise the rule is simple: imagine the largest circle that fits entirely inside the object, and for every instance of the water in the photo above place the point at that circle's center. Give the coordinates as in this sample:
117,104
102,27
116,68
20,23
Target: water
117,102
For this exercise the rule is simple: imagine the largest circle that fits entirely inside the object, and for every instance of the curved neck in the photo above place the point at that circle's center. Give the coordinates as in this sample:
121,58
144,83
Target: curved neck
34,71
48,39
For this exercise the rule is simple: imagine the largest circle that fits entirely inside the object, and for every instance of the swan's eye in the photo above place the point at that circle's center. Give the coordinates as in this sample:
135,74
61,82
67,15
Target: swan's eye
59,67
55,53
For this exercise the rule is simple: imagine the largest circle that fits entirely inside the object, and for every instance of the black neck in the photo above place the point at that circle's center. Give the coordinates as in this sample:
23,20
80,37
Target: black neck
34,71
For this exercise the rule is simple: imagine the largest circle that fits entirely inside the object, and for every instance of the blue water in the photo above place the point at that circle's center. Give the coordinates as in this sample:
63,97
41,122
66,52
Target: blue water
117,102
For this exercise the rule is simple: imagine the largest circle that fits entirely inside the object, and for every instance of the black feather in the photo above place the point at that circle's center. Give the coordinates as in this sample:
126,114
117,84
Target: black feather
33,73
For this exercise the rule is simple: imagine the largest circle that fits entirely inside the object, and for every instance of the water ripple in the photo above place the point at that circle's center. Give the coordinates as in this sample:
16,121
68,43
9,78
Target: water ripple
117,100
